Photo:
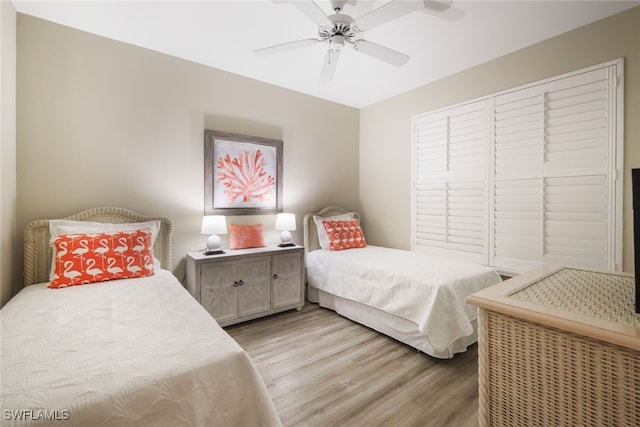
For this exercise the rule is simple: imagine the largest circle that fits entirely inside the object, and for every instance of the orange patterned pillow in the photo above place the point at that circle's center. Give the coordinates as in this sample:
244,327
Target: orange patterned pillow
344,234
245,236
90,258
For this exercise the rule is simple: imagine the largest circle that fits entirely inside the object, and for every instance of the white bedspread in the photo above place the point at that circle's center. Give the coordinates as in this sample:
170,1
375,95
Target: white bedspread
424,289
135,352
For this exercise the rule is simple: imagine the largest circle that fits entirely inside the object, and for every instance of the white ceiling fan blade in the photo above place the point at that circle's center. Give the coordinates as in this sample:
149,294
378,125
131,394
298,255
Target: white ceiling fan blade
313,12
437,6
385,13
443,9
329,65
284,47
397,8
382,53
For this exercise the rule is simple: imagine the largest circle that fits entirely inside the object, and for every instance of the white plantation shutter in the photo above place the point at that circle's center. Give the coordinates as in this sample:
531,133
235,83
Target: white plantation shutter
449,176
549,184
552,150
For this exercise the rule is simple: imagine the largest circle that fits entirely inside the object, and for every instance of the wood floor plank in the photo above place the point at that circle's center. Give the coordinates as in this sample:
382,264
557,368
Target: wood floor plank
322,369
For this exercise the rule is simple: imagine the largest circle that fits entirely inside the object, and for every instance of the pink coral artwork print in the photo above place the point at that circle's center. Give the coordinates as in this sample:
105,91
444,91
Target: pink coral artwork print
244,175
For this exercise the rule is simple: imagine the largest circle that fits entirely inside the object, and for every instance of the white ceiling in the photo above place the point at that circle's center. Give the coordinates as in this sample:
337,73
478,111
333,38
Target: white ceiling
223,34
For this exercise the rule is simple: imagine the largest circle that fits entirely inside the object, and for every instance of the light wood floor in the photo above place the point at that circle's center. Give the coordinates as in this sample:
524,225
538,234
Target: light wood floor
325,370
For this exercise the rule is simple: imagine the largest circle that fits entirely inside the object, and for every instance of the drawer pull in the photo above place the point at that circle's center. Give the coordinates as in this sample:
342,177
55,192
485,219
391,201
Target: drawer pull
235,284
241,282
275,276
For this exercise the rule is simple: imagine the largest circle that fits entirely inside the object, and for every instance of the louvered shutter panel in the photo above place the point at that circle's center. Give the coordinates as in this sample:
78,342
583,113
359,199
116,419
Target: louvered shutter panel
450,182
575,209
551,198
576,169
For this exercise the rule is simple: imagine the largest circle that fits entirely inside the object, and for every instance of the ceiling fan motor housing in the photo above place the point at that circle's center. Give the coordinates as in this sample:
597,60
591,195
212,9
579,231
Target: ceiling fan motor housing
341,28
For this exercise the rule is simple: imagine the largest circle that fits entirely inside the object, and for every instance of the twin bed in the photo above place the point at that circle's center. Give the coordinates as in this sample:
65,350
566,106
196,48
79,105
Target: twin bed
135,351
415,298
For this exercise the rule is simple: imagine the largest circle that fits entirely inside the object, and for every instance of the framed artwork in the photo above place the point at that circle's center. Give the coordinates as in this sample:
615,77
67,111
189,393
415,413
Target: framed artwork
242,174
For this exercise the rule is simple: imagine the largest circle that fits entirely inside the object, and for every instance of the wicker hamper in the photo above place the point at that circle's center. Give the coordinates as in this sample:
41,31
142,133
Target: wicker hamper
559,347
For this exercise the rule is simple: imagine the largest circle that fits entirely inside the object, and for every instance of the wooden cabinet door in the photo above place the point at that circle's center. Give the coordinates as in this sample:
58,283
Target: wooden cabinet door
286,279
254,290
218,295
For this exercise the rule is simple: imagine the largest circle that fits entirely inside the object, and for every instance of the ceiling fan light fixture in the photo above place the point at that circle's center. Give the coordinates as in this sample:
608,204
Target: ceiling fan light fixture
336,42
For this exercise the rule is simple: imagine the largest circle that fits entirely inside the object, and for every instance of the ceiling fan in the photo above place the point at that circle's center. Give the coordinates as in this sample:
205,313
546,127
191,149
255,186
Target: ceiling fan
339,29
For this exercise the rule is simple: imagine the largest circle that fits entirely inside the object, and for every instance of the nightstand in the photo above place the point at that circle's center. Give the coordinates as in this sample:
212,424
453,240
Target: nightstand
245,284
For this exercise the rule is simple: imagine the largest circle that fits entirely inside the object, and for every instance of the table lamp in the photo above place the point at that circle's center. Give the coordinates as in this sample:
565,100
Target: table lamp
286,222
213,225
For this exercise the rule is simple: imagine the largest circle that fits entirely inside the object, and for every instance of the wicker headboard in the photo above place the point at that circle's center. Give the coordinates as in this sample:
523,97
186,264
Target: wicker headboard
311,232
38,253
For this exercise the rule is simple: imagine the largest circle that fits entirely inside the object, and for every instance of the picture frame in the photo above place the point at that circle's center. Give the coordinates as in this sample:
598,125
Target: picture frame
242,174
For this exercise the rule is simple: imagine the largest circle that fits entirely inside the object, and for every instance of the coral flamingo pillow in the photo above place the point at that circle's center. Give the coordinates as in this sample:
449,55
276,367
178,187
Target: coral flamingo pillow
344,234
245,236
89,258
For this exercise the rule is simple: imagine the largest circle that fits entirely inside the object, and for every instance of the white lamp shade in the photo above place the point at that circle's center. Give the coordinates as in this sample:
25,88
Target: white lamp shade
214,224
285,222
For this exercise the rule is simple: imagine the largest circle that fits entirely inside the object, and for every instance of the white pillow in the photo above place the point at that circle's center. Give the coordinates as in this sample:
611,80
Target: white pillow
323,238
66,226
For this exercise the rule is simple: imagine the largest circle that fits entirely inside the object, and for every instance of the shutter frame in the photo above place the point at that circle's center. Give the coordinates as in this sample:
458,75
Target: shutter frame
544,144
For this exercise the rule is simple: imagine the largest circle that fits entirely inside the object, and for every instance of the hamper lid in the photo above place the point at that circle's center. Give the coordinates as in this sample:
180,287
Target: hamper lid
607,296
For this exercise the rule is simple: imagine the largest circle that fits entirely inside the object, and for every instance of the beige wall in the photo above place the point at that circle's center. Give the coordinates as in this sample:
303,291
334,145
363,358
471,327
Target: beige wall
8,203
102,123
385,127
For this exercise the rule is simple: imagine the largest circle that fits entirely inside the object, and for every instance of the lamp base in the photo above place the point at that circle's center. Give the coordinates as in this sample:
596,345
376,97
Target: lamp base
213,245
213,252
286,245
